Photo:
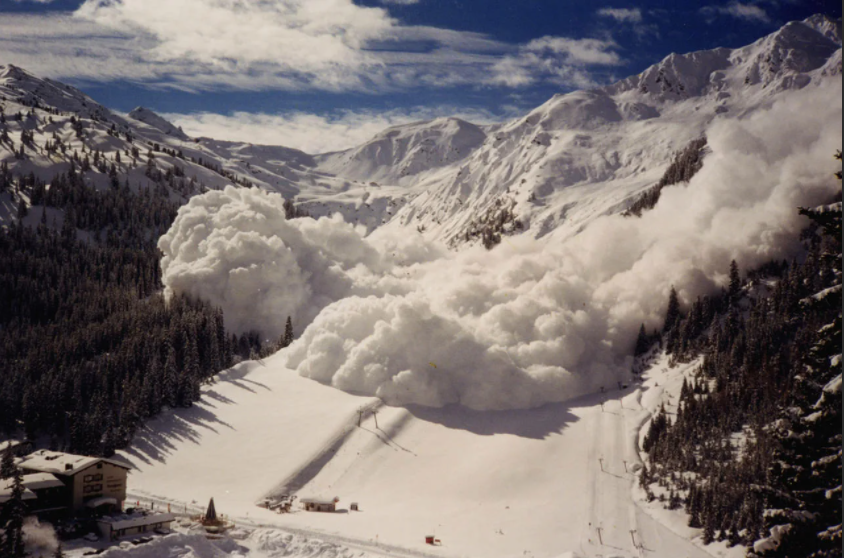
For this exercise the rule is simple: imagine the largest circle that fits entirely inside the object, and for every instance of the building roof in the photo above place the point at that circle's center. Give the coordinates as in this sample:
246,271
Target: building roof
60,463
125,521
40,481
6,491
319,500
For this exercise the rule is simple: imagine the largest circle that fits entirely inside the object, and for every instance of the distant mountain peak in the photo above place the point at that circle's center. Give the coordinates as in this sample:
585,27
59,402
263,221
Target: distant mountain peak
19,84
407,150
826,26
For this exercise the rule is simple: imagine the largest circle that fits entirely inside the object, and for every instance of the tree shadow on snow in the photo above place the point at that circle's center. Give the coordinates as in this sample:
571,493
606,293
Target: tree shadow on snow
160,437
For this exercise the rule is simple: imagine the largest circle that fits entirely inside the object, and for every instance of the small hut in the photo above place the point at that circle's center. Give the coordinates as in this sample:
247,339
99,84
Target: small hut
319,504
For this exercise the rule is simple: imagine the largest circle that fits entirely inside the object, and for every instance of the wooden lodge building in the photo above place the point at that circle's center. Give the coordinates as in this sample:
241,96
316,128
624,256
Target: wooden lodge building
319,504
68,484
62,485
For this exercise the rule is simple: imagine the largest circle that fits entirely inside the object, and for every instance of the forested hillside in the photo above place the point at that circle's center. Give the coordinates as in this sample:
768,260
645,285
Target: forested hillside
754,451
89,347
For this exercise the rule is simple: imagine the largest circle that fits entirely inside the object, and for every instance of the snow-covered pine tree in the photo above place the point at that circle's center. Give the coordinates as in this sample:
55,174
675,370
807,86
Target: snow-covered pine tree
804,509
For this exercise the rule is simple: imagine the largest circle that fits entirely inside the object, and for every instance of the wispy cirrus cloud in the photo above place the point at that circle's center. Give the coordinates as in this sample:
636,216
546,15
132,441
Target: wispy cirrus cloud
325,45
633,15
631,18
747,11
560,60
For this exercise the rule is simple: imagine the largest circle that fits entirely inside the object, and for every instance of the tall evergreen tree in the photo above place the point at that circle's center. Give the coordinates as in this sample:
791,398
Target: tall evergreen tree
643,342
288,332
672,314
7,464
735,281
11,518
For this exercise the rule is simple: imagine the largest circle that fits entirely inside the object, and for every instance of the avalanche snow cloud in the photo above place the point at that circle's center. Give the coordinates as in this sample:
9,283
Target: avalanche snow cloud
529,322
235,249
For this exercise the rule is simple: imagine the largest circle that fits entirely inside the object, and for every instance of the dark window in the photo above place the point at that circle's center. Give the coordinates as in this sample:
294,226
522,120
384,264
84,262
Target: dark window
92,488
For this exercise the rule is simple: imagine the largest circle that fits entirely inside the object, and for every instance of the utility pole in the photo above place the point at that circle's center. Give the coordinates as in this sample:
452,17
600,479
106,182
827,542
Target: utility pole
374,412
625,465
632,538
360,415
601,461
600,539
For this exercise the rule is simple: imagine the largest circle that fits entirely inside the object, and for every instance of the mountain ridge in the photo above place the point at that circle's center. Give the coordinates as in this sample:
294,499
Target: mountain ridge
576,157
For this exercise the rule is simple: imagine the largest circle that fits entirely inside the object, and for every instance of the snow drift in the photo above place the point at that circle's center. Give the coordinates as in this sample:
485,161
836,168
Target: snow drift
529,322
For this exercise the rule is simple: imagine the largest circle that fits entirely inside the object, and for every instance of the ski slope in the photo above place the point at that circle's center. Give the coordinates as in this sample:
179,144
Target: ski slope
537,483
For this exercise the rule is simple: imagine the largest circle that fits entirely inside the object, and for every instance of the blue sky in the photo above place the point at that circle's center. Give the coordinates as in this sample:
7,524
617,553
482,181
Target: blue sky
322,74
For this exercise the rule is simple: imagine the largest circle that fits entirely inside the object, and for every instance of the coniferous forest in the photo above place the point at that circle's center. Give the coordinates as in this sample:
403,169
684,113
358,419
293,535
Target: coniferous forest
88,346
753,453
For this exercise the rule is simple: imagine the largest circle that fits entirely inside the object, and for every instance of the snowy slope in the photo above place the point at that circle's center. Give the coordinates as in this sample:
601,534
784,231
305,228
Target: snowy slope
518,483
16,84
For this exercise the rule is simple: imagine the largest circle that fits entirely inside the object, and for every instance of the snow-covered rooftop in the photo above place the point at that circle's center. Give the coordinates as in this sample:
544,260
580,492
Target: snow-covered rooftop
40,481
60,463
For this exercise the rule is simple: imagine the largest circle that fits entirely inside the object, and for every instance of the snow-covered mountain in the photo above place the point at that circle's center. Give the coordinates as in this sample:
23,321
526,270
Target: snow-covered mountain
19,86
576,157
587,153
153,120
406,151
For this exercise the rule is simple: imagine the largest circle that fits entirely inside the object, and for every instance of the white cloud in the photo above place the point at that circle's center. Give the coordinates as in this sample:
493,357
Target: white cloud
562,60
529,322
331,45
622,14
321,40
314,133
632,18
745,11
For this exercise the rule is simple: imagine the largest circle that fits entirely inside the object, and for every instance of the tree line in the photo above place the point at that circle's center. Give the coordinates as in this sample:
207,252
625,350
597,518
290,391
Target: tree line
88,347
753,452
